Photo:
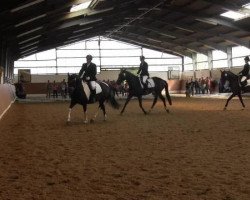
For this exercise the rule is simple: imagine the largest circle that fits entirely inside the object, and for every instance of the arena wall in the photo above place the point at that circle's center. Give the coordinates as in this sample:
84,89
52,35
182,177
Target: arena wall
7,97
38,82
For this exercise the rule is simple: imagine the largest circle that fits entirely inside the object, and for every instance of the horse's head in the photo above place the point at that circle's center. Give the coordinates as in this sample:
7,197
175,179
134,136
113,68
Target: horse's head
225,76
122,76
72,82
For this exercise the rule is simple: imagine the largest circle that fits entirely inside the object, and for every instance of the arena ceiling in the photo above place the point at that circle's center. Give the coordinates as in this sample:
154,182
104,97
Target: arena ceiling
179,27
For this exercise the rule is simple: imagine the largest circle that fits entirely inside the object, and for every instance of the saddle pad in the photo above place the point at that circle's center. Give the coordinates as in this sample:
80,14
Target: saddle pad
98,88
248,82
151,83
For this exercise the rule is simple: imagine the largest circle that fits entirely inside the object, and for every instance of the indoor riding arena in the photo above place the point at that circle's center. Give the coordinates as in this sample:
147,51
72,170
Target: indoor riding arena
125,100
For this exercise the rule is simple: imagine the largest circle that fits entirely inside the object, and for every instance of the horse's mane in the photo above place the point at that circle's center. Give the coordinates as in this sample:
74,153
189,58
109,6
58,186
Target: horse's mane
231,73
130,73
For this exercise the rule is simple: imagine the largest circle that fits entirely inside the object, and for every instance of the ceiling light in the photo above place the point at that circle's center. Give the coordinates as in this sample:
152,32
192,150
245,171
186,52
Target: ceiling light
81,6
76,36
33,30
30,39
90,22
84,29
234,15
30,20
70,41
33,48
207,21
26,5
28,53
153,40
28,45
184,29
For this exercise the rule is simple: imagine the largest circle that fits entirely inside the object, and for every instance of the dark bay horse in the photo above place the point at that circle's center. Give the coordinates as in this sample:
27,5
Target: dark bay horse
135,89
234,84
78,96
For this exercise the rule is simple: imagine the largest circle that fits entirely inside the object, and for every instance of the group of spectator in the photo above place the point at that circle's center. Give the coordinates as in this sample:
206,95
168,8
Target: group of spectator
54,89
200,86
119,89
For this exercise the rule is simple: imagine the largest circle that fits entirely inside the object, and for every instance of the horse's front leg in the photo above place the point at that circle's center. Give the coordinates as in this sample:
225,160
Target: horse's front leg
127,100
140,104
229,100
85,113
72,104
241,100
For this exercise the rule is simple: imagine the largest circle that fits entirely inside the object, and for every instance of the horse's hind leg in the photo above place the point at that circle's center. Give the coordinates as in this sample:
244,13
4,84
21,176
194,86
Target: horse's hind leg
229,100
72,104
154,102
164,102
241,100
102,106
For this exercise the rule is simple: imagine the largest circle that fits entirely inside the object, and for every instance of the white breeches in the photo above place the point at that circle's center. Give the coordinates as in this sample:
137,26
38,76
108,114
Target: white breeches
144,78
243,78
92,85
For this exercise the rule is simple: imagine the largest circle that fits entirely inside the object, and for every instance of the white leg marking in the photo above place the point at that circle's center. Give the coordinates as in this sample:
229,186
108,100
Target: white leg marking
69,114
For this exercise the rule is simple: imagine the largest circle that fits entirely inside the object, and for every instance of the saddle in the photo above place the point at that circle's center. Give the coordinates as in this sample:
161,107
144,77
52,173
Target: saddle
87,89
149,82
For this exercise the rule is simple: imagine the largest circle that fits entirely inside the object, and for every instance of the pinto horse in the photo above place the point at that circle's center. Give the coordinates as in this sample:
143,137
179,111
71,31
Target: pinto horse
234,84
79,96
135,89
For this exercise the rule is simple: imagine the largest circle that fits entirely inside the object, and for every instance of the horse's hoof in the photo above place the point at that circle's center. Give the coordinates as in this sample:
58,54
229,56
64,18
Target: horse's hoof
224,108
92,121
68,122
167,110
85,121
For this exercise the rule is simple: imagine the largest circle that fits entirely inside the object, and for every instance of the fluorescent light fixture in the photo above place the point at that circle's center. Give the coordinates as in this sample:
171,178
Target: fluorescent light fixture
28,32
29,39
76,36
71,41
33,48
30,20
184,29
91,21
29,53
234,15
166,35
207,21
153,40
28,45
145,9
26,5
81,6
81,30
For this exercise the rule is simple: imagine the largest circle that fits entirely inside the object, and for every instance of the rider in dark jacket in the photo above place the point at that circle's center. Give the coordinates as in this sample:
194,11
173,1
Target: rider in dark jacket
88,73
143,71
243,74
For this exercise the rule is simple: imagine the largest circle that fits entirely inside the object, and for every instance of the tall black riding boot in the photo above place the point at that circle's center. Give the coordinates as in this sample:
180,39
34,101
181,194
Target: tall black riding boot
92,96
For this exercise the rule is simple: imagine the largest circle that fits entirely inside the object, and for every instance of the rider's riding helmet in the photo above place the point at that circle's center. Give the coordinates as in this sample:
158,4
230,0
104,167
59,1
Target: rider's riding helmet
246,58
89,57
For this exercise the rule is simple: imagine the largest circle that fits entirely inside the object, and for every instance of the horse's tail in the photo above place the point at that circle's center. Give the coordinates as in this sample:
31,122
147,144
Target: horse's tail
167,94
112,99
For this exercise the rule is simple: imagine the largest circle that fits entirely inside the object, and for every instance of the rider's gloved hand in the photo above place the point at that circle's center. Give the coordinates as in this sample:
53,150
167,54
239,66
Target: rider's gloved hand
87,78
